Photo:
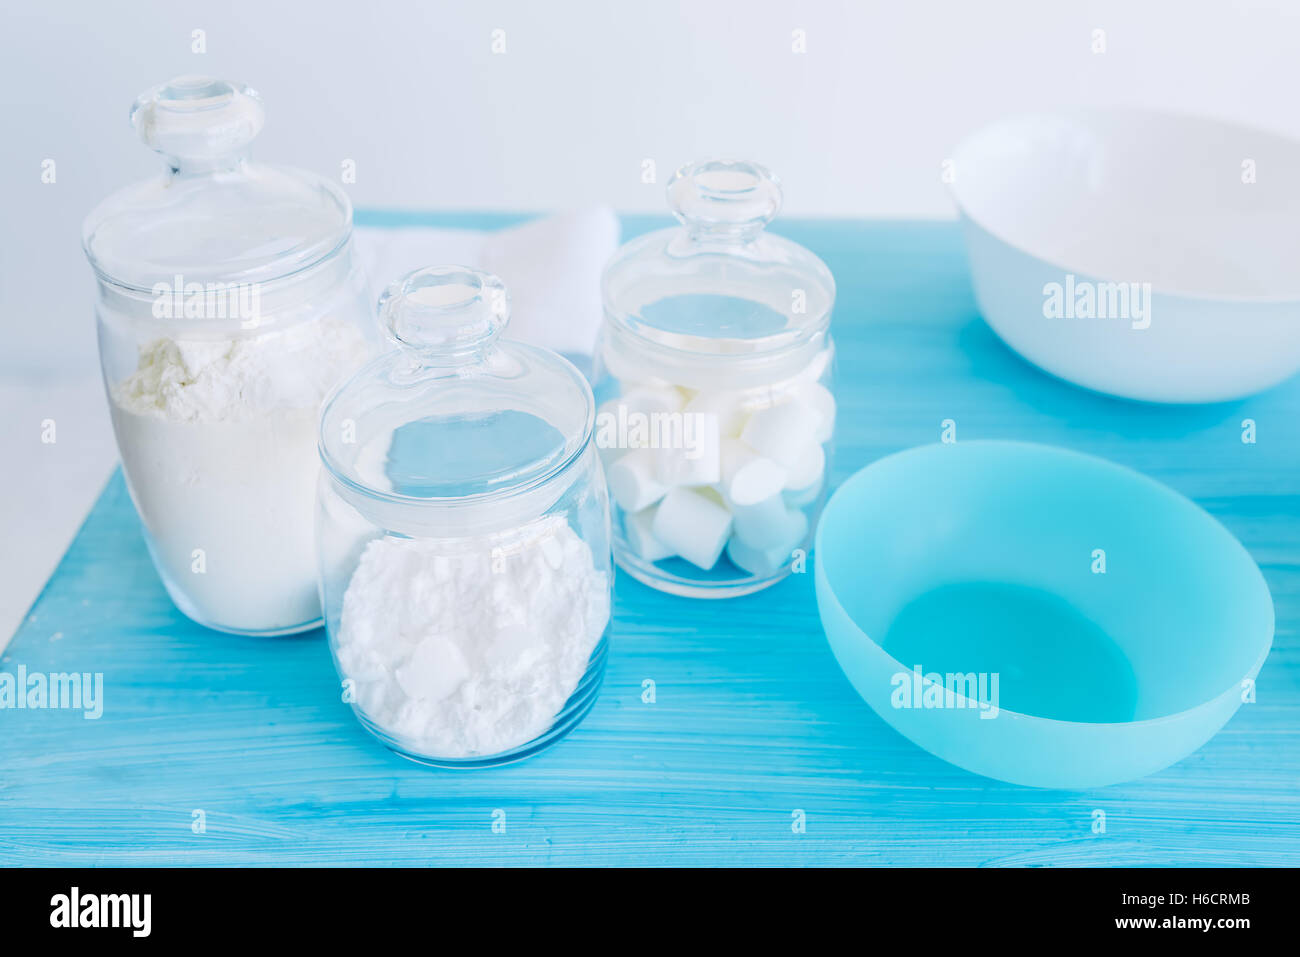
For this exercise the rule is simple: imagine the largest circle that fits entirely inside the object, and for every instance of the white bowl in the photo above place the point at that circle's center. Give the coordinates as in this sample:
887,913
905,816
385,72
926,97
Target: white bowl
1053,205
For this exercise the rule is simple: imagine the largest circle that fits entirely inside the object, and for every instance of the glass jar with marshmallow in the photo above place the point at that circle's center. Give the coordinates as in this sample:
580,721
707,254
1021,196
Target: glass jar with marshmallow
715,412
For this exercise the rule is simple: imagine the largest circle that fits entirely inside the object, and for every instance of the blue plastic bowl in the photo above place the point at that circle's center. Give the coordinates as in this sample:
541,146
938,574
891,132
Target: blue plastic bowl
1037,615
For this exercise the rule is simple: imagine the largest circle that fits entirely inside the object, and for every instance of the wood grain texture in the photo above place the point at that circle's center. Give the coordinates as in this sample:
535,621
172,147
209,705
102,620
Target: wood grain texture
753,718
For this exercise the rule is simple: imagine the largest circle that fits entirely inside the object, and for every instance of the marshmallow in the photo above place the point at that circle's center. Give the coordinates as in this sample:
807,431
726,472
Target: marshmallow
631,420
713,495
609,455
819,398
727,409
801,497
632,480
696,462
782,432
768,523
693,525
746,477
638,529
807,469
758,561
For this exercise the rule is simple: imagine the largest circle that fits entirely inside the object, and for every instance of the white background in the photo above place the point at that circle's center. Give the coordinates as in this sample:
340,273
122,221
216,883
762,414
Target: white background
584,94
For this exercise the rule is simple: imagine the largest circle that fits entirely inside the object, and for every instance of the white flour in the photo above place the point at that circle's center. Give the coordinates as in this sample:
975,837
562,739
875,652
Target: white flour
218,441
467,647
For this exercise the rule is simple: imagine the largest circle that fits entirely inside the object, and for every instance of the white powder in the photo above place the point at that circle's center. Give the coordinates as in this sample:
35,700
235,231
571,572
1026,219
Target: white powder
218,441
228,380
471,647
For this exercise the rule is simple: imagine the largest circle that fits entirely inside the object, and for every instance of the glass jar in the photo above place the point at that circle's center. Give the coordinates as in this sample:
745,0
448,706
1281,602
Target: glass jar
230,301
463,528
713,377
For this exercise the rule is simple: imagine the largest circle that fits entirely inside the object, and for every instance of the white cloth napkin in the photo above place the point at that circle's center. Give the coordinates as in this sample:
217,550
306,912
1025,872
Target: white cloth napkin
551,266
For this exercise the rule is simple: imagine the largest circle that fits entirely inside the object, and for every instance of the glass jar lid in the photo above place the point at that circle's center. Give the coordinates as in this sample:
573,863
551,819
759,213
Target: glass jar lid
456,414
719,284
213,216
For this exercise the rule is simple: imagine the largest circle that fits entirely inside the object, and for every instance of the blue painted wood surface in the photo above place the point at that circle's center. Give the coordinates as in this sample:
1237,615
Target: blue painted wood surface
752,720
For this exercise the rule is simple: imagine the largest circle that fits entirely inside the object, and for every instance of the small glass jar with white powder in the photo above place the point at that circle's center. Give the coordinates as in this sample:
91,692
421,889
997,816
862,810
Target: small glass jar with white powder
713,375
230,302
463,531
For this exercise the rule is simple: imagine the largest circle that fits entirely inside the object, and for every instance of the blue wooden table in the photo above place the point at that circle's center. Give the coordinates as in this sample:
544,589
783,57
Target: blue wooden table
753,727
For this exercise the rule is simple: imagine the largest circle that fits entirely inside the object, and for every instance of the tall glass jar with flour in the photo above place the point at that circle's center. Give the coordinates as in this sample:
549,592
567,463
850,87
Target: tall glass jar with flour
230,301
463,531
713,375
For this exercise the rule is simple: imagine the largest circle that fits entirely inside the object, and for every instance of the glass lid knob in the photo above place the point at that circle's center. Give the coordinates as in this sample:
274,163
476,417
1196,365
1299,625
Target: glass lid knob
198,122
725,198
445,314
